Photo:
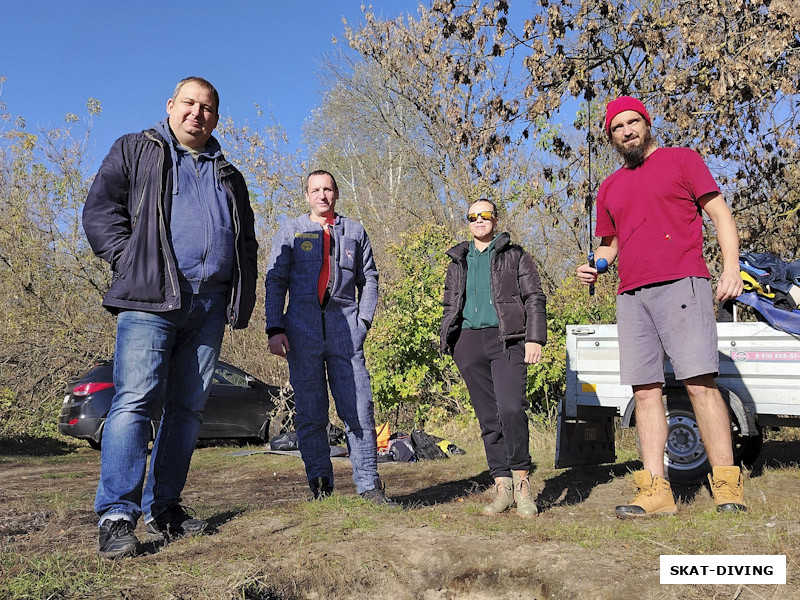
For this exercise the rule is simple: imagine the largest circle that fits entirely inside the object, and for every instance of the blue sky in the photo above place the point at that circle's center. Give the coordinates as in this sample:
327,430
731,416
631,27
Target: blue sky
56,54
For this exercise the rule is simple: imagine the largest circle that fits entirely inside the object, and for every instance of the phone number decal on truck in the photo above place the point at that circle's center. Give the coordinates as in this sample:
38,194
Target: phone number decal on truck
741,355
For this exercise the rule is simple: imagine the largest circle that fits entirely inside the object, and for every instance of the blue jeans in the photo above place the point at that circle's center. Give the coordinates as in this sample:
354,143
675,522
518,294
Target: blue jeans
170,355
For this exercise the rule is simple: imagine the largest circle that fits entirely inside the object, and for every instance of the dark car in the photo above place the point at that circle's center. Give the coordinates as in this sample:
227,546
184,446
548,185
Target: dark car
238,407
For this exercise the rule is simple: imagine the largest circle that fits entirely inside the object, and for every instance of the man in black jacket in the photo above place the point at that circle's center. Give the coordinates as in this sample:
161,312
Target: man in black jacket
173,219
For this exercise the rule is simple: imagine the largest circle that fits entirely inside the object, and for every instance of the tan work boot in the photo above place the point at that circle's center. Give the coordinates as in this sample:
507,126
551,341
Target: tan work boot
526,507
504,496
727,487
653,498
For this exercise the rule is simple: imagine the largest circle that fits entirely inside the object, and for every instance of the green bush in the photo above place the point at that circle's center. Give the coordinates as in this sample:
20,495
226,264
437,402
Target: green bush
406,365
570,304
403,346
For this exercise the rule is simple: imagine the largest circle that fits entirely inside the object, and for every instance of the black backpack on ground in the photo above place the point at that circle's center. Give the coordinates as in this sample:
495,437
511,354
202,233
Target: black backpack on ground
425,446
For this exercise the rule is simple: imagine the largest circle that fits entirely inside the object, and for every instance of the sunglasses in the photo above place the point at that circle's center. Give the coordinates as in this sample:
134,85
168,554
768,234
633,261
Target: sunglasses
485,215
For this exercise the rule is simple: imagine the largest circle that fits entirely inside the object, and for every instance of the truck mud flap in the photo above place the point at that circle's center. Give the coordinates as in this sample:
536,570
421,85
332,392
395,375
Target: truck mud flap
587,439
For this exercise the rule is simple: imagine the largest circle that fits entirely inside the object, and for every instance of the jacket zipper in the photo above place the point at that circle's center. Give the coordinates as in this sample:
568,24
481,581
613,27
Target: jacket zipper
138,210
492,260
232,316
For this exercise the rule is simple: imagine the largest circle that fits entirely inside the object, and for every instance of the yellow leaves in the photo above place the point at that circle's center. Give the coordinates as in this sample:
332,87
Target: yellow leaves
94,106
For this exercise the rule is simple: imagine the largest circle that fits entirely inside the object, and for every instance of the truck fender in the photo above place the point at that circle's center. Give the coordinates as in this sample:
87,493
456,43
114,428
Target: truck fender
629,416
744,413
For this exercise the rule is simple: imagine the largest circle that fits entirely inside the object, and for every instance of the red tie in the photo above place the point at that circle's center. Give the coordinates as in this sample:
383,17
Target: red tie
325,271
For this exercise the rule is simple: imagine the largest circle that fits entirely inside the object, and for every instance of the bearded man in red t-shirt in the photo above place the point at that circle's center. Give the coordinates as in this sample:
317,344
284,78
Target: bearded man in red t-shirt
649,216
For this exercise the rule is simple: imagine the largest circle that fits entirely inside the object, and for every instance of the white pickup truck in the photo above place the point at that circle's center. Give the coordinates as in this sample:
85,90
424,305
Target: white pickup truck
759,378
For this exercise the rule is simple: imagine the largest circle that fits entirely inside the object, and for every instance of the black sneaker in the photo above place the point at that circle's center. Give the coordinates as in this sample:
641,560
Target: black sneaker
321,487
378,495
116,539
174,523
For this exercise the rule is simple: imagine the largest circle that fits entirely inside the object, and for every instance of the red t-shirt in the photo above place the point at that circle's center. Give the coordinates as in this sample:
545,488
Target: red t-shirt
653,211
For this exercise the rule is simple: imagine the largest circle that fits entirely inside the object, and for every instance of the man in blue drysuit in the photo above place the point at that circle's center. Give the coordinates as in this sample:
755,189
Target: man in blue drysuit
324,262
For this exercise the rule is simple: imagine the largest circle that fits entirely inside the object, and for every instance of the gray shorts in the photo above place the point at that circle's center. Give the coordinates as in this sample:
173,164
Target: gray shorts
676,318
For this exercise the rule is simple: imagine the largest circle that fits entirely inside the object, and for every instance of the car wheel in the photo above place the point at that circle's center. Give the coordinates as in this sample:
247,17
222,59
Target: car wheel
281,422
97,444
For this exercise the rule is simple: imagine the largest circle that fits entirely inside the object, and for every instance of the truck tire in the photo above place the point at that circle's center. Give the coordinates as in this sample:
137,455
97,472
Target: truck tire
685,457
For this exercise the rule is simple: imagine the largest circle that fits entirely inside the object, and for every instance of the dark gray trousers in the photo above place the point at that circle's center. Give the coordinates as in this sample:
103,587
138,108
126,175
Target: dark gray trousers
496,379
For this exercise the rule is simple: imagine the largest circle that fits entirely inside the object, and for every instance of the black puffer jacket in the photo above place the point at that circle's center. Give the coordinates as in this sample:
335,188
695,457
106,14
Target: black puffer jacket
516,290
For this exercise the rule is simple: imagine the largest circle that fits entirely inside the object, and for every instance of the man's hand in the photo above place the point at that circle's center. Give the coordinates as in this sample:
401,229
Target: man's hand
279,344
729,286
533,353
587,275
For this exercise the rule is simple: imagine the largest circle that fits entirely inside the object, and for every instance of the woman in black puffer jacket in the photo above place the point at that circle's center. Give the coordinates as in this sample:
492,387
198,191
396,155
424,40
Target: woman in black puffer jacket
494,325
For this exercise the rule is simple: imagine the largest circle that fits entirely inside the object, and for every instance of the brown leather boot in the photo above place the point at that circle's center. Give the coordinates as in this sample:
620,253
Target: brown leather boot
727,487
504,496
653,498
523,497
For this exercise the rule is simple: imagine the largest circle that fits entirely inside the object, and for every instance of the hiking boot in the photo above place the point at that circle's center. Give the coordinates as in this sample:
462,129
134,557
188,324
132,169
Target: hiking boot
378,495
504,496
727,487
174,523
116,539
653,498
321,487
523,497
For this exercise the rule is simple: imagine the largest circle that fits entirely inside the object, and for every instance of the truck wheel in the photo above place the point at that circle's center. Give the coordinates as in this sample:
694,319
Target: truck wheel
746,449
685,457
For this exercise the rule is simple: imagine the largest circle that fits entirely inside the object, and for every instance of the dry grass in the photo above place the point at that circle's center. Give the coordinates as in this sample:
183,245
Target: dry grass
269,542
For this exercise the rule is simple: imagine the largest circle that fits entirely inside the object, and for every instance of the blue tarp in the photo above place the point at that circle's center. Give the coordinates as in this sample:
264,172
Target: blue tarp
783,320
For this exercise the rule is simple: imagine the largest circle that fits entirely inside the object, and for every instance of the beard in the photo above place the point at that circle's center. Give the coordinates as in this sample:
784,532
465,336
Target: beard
635,155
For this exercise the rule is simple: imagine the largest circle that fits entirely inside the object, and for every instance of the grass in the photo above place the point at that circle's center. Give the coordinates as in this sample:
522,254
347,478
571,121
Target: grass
67,475
50,575
273,544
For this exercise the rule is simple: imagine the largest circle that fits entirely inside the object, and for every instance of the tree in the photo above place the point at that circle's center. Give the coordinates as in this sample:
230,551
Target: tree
52,285
721,76
403,345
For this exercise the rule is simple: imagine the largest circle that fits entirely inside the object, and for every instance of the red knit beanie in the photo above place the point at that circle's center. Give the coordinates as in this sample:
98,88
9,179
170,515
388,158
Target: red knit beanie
622,104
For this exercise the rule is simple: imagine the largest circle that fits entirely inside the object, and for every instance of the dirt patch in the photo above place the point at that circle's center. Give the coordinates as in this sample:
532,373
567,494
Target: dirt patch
268,542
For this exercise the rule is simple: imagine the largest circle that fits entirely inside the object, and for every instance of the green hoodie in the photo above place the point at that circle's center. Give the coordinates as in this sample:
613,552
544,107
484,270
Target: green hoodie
479,311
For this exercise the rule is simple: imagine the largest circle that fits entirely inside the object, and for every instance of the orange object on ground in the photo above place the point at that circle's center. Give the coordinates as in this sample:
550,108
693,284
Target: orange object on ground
383,433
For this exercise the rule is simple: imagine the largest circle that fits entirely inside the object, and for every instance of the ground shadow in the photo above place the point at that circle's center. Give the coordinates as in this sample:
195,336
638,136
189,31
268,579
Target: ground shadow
447,491
575,484
685,493
220,519
25,445
777,454
153,545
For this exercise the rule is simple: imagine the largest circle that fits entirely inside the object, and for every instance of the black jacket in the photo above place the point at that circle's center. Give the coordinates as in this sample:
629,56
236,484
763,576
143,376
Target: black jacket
516,290
126,219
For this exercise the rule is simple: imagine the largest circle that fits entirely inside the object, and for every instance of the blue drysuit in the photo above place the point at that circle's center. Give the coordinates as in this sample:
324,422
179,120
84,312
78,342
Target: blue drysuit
326,339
